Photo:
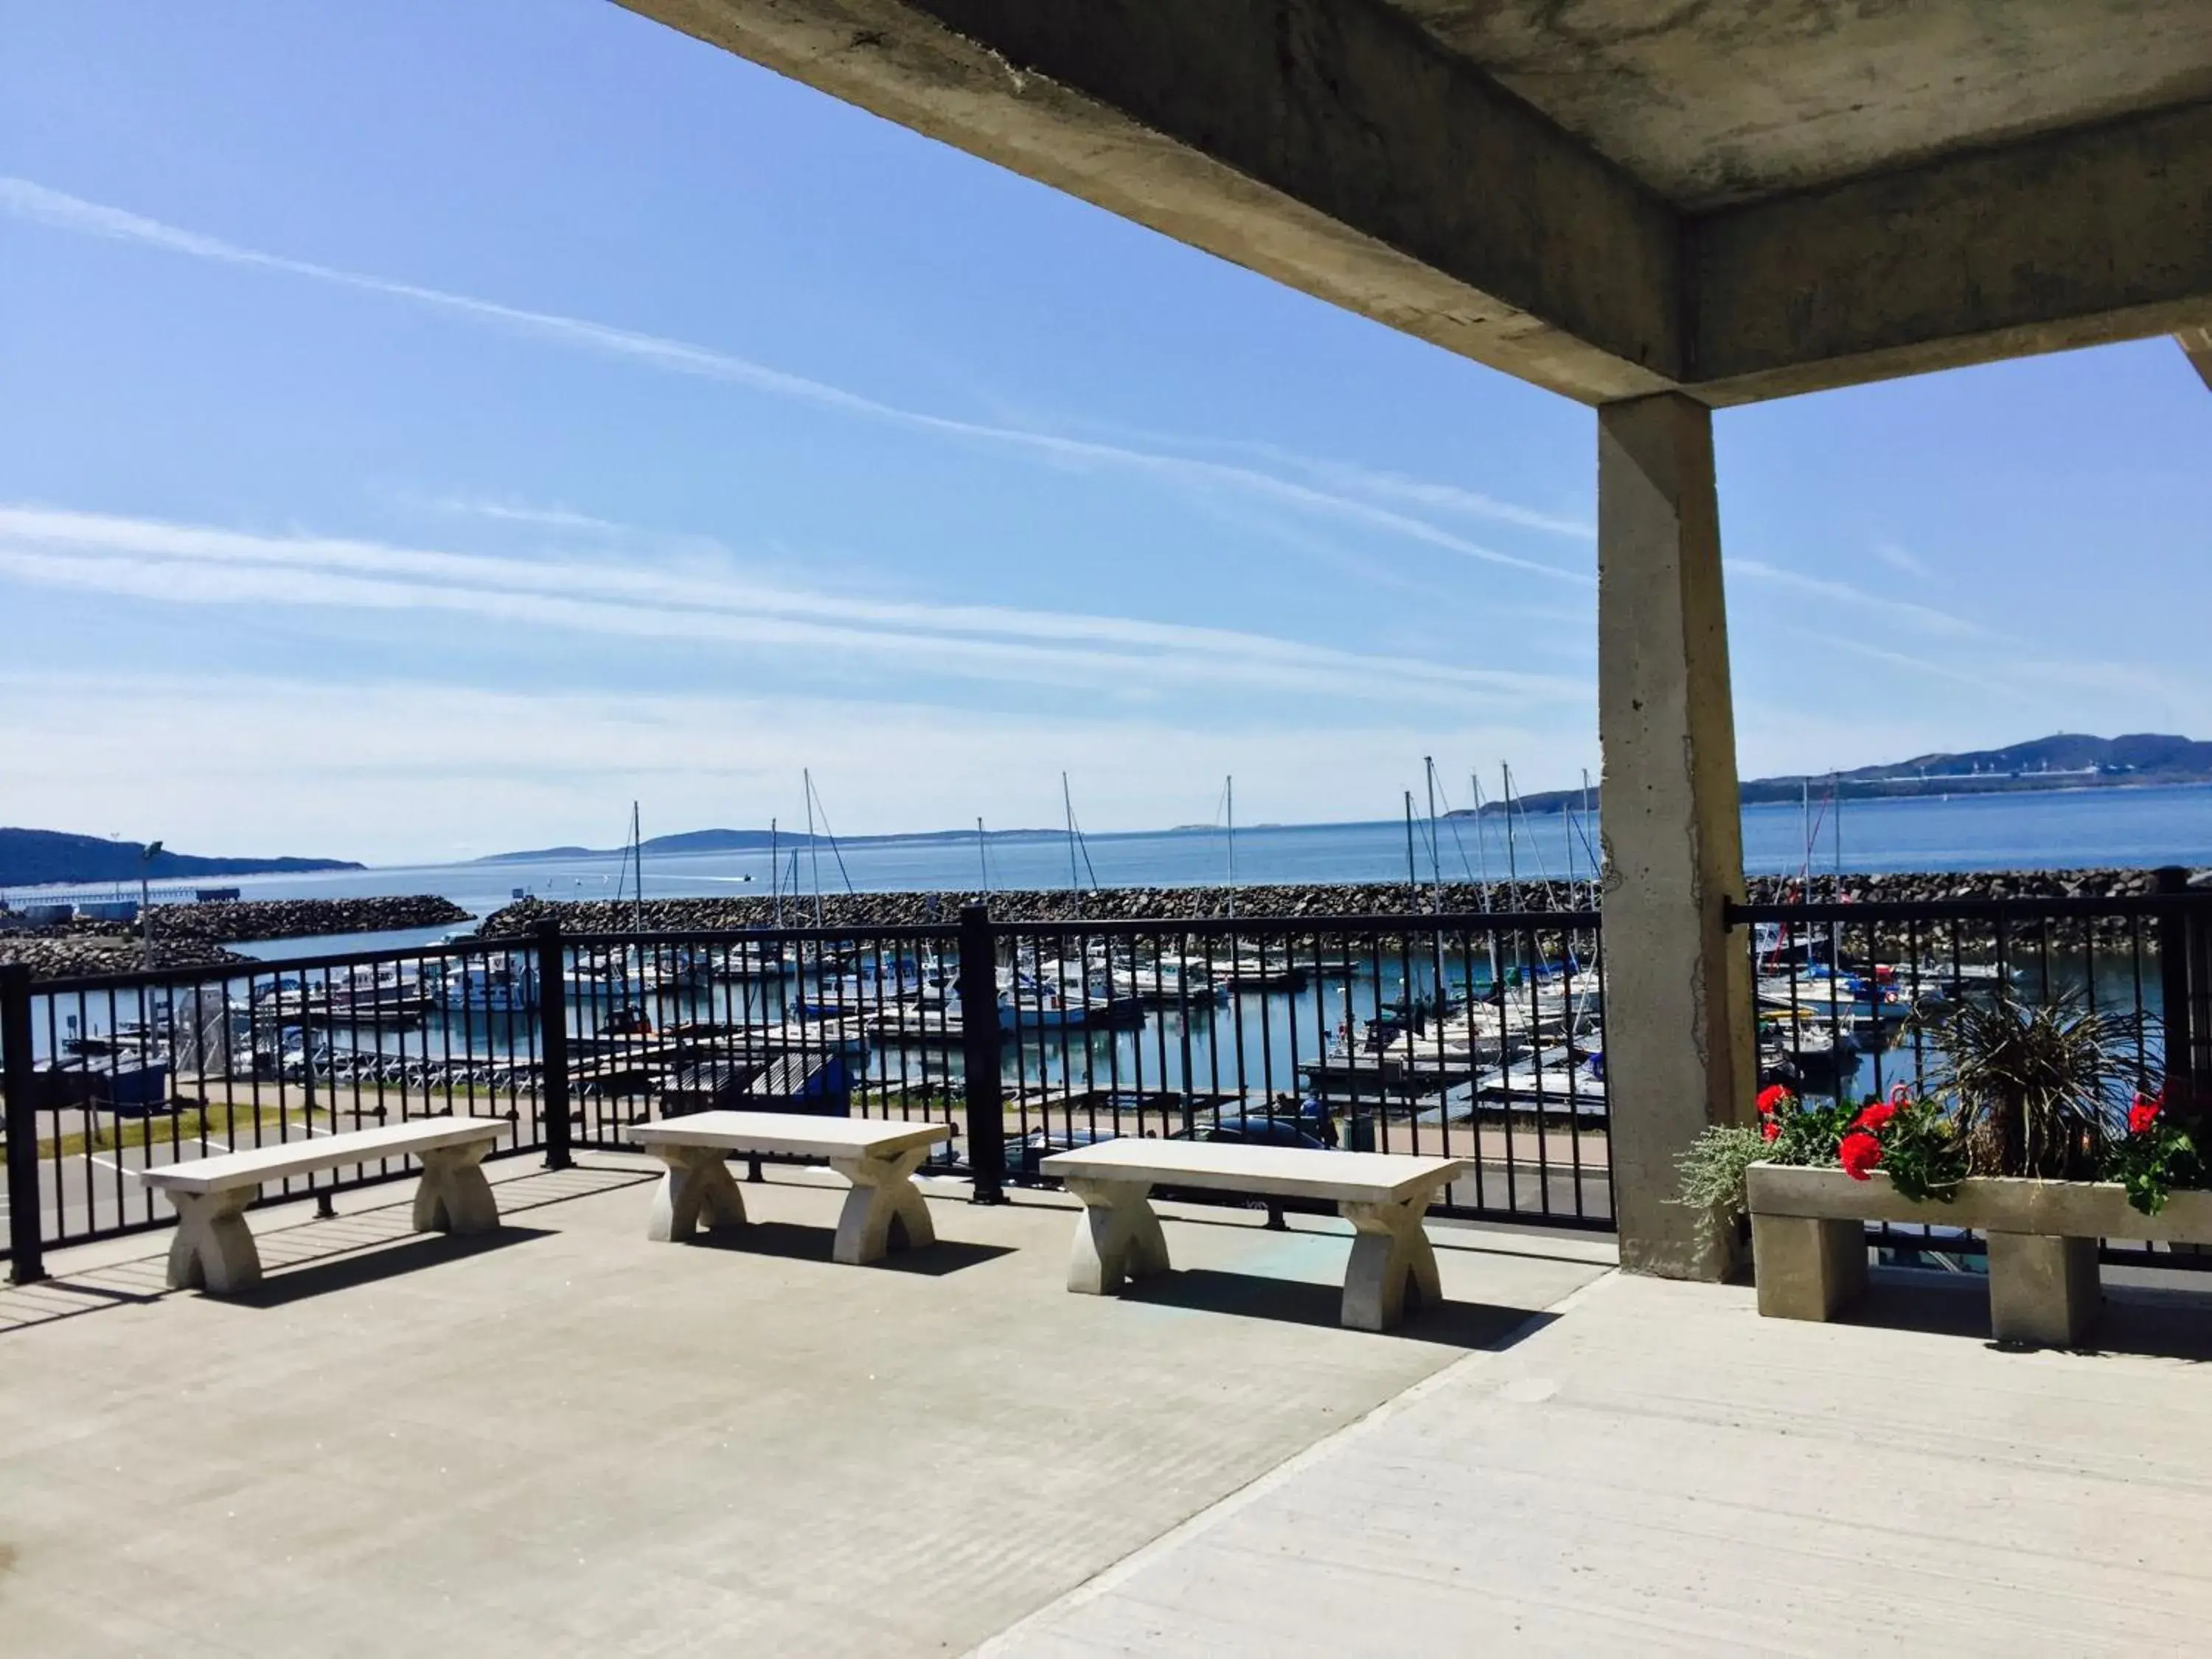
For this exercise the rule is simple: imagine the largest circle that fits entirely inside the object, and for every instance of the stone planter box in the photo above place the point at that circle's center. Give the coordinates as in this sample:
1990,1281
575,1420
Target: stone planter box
1808,1244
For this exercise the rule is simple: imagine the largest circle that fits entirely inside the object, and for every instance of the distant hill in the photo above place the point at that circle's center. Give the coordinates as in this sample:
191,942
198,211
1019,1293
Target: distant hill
751,841
2068,760
31,857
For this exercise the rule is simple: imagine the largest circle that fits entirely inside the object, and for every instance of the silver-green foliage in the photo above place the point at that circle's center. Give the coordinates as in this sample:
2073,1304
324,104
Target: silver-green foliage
1712,1169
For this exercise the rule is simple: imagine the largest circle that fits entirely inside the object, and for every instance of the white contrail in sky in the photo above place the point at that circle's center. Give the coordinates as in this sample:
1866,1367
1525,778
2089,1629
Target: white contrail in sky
24,199
181,563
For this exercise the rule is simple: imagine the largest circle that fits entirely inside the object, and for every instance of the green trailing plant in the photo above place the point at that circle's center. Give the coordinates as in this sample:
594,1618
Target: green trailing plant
2156,1155
2036,1089
1712,1166
1712,1169
1914,1142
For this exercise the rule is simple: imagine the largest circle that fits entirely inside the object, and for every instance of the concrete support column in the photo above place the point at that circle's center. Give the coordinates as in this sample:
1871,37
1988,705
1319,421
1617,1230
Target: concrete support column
1678,1018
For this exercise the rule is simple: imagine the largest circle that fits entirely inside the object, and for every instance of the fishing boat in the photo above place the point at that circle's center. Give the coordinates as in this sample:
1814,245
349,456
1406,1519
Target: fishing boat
491,987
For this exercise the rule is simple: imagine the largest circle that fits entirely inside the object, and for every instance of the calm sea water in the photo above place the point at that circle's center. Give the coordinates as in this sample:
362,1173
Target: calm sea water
2063,829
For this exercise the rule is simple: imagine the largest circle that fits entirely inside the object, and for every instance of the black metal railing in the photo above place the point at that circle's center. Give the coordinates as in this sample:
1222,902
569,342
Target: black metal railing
109,1075
1849,997
1475,1035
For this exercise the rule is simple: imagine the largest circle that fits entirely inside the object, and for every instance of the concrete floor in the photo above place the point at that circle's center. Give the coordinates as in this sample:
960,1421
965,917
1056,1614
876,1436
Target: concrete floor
573,1441
1658,1470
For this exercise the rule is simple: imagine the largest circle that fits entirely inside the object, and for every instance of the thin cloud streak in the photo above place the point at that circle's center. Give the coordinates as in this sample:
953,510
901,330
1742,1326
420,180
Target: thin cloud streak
1899,558
25,200
185,564
1924,617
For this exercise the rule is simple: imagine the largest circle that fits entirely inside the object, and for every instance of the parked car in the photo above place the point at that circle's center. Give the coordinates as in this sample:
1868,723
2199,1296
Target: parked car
1025,1151
1257,1129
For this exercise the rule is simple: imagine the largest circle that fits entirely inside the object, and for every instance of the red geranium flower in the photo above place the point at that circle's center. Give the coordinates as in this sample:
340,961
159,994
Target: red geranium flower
2143,1114
1771,1099
1859,1153
1770,1129
1874,1118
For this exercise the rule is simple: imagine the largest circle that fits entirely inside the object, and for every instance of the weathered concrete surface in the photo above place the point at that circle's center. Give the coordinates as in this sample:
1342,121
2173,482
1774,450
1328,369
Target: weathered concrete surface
1660,1471
1608,198
1333,147
2070,239
1715,105
568,1439
1678,992
2197,343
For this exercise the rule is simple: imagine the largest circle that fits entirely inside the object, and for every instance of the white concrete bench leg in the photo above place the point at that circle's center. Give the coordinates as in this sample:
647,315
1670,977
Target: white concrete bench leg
883,1198
1117,1236
1389,1252
698,1183
2043,1290
1808,1269
213,1249
454,1196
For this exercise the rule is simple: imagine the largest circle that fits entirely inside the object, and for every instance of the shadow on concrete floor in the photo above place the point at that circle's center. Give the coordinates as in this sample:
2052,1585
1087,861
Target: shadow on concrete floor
2158,1324
794,1242
1303,1301
46,1300
338,1273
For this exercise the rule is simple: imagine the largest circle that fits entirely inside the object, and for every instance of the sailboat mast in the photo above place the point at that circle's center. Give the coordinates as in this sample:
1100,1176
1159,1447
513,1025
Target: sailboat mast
1835,808
775,873
1412,877
1567,818
1805,824
1594,872
1436,864
1067,807
813,846
1482,869
1512,857
1229,800
637,887
982,858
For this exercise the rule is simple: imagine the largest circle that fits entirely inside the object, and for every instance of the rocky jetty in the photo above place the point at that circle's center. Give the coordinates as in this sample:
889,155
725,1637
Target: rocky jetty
1167,904
193,935
237,919
74,956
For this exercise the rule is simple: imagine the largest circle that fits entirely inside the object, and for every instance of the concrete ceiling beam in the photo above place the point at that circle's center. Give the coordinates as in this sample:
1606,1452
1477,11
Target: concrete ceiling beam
1332,146
2081,238
1336,147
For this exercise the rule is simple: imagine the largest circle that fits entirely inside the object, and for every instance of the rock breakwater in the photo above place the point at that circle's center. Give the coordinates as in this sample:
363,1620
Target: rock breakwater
1291,901
234,920
193,935
77,956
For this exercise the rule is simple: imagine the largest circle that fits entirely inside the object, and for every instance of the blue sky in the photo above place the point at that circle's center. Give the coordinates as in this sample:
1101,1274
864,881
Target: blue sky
427,428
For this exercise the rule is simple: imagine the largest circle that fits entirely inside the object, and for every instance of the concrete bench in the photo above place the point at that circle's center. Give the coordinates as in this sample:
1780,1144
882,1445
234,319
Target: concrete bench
213,1248
1383,1195
1809,1249
885,1211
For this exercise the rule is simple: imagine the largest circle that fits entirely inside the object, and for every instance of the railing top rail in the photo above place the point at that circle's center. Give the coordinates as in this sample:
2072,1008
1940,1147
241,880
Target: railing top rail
1976,909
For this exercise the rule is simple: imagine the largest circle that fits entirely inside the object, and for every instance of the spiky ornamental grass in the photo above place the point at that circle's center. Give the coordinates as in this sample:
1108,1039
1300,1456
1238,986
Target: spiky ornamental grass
2039,1089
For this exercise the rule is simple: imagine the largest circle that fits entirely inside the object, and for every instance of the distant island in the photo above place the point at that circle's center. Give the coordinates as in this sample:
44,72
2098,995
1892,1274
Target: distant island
31,858
754,841
2067,760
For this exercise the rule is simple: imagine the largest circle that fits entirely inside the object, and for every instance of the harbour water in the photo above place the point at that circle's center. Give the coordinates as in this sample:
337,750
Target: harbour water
2059,830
